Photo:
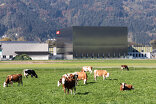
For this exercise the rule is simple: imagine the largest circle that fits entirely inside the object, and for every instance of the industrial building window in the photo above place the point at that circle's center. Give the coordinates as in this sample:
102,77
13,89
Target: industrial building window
4,56
11,56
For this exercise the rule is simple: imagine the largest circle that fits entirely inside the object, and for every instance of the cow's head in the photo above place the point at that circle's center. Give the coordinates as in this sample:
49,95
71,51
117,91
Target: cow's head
5,84
36,76
59,82
107,75
123,85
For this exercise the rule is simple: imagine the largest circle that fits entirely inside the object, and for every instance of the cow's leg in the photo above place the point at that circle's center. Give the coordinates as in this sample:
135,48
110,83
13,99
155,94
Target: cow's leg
103,77
18,83
11,83
64,90
95,77
74,90
22,83
85,81
31,75
71,91
90,72
67,91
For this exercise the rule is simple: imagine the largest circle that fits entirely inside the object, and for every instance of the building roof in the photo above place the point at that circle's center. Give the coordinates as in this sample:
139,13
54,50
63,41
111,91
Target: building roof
18,42
11,48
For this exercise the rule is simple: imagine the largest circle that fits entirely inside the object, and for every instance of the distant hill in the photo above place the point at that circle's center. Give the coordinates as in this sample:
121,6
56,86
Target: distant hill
39,19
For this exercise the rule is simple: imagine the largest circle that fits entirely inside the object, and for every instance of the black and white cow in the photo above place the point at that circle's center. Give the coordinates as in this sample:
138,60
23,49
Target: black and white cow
28,72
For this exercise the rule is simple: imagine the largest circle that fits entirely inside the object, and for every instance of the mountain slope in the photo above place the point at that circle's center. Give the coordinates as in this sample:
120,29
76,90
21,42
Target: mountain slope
39,19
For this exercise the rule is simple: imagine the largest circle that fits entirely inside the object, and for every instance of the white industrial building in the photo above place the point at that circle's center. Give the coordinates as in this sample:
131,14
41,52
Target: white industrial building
37,51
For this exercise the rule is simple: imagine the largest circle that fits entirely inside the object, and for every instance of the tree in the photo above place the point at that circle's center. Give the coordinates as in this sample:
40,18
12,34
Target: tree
153,44
21,39
6,39
22,57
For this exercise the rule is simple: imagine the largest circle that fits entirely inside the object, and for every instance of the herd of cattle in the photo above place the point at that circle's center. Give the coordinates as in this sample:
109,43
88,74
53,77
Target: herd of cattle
70,80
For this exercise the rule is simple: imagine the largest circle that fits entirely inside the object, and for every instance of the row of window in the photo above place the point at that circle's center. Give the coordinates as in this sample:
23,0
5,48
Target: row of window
138,55
10,56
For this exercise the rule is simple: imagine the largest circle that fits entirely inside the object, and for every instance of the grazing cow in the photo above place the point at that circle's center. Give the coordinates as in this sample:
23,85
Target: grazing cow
103,73
125,86
87,69
124,67
69,83
28,72
13,78
82,76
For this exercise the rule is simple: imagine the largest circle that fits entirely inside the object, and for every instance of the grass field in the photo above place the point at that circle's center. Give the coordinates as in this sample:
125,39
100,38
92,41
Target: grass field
44,90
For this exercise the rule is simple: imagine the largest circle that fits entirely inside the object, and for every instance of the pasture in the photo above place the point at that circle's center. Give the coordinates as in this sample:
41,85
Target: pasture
44,90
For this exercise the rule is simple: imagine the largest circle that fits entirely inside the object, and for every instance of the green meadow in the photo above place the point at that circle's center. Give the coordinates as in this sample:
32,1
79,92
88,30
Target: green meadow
44,90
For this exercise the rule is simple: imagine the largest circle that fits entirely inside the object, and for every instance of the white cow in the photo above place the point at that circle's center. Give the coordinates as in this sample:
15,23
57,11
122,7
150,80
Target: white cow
87,69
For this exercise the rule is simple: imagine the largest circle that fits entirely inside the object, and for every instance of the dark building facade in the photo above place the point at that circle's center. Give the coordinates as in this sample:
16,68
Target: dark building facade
93,42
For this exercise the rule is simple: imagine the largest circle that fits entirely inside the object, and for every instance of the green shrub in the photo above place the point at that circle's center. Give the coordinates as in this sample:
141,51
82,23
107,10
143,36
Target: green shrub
22,57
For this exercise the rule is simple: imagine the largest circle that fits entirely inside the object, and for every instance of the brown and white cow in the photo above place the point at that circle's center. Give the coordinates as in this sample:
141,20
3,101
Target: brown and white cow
124,86
124,67
69,83
13,78
82,76
103,73
66,76
87,69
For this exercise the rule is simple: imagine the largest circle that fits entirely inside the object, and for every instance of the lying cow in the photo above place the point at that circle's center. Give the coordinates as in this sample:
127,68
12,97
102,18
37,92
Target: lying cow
13,78
87,69
28,72
124,67
125,86
82,76
103,73
69,83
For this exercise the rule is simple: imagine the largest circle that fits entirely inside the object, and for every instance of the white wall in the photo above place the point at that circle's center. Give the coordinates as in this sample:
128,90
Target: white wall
39,57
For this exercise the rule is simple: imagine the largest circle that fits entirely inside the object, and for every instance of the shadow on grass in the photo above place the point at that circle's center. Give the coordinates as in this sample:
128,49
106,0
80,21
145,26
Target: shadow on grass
86,83
91,82
86,93
112,79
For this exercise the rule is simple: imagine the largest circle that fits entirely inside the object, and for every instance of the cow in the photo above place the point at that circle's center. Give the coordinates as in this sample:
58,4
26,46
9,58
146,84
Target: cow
124,86
13,78
66,76
69,83
103,73
87,69
82,76
28,72
124,67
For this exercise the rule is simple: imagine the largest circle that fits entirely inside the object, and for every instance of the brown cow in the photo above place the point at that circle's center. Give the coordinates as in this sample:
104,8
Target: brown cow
124,67
103,73
69,83
125,86
82,76
13,78
66,76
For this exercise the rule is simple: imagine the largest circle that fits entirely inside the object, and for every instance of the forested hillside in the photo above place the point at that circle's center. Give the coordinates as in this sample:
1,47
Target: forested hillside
39,19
